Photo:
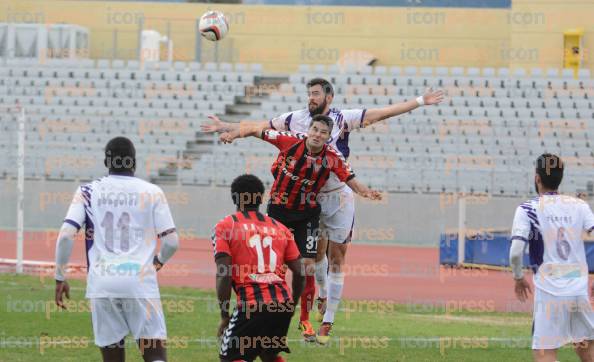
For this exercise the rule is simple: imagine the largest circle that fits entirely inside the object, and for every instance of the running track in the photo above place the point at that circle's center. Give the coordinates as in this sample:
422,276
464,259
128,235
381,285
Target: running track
406,275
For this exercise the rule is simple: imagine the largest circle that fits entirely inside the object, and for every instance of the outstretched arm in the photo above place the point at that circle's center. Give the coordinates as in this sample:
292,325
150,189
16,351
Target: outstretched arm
363,190
219,126
378,114
216,125
244,129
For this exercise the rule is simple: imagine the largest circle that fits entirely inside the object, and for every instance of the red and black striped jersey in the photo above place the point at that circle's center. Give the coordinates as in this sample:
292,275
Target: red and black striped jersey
259,246
299,175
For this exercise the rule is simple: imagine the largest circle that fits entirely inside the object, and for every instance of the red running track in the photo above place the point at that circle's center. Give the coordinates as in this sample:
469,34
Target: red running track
405,275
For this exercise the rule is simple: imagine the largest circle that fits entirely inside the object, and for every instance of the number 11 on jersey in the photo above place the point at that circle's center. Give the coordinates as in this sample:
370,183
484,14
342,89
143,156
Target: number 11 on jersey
257,242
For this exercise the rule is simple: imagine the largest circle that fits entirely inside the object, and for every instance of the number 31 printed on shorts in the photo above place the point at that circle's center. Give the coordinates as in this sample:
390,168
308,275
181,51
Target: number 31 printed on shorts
312,242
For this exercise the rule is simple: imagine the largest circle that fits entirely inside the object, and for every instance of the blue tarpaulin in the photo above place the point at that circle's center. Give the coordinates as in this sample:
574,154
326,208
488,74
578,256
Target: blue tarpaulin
493,250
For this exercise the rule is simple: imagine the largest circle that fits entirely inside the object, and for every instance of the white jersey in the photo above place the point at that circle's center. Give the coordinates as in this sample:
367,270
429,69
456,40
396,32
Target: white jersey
345,121
552,225
122,216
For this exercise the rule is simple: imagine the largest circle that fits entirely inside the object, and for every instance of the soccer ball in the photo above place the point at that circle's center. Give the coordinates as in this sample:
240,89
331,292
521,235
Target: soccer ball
213,25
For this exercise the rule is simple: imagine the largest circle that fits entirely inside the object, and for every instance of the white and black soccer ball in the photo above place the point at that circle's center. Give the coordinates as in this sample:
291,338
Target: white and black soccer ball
213,25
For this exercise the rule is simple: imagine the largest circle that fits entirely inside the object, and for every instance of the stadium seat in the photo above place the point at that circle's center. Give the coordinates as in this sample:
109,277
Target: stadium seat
380,70
333,69
211,67
567,73
457,72
552,72
519,73
488,72
395,71
319,69
304,69
256,67
117,64
584,74
503,72
441,71
536,72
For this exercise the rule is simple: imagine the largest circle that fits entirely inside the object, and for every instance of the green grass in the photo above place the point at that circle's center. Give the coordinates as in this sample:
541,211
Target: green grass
362,332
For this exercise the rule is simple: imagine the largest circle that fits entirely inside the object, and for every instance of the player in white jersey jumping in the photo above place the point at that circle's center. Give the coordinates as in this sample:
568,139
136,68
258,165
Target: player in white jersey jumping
123,216
552,226
336,199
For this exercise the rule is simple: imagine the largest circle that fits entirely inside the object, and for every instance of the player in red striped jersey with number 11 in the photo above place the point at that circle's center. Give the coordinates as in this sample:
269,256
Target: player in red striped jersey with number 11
250,252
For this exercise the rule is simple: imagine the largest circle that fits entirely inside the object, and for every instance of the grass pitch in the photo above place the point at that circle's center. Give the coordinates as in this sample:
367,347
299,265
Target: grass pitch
31,329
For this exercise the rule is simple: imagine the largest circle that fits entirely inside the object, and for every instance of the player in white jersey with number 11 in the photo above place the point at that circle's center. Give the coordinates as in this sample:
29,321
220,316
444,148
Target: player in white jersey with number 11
123,216
336,199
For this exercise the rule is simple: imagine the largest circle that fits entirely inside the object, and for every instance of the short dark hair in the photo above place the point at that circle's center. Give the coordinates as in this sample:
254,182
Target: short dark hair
120,155
550,169
247,192
322,119
326,86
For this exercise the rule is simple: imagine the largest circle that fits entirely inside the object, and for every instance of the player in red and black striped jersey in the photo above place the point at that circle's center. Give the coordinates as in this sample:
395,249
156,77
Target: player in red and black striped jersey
300,171
258,246
251,251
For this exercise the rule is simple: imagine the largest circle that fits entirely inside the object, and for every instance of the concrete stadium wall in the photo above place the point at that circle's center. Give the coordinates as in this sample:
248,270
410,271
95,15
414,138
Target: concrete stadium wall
281,37
401,218
536,32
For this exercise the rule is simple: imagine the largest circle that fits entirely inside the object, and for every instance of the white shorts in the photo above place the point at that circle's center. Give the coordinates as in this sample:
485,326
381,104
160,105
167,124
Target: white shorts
561,320
337,216
115,318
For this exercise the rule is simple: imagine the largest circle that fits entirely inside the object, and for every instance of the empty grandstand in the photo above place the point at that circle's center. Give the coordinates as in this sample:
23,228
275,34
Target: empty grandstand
480,140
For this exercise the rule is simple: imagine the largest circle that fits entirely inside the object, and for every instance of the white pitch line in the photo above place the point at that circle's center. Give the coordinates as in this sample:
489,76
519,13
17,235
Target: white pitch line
491,320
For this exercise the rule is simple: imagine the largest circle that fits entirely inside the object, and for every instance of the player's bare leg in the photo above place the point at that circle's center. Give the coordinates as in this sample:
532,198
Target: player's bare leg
337,253
544,355
114,352
307,300
585,350
152,350
322,275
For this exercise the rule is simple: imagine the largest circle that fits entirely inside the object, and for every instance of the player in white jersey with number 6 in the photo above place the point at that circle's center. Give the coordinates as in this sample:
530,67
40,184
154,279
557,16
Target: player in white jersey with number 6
123,216
336,199
551,226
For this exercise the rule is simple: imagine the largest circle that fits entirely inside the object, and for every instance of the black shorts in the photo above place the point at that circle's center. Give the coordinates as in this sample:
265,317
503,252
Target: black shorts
305,226
251,333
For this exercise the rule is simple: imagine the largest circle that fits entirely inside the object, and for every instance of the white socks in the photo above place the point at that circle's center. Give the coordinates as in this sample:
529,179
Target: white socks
335,284
322,276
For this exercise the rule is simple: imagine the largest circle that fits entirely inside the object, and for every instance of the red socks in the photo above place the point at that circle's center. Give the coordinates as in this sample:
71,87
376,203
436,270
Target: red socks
307,298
